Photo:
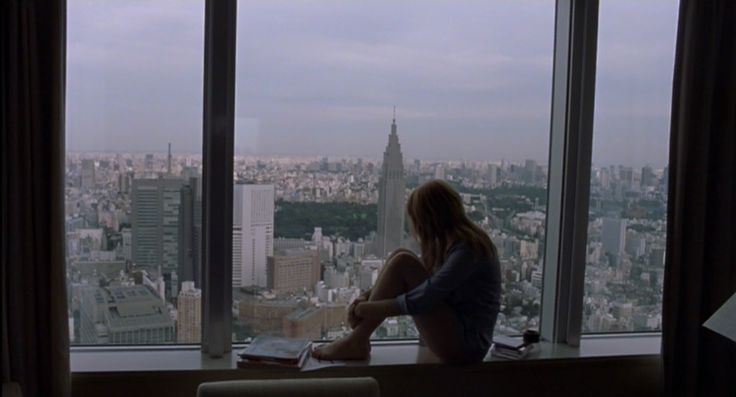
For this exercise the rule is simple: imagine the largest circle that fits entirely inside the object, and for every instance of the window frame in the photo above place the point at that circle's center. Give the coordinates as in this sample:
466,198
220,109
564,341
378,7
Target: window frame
570,151
218,131
569,168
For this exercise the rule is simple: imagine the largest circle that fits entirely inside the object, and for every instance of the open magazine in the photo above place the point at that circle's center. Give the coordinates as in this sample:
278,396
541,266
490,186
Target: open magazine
275,350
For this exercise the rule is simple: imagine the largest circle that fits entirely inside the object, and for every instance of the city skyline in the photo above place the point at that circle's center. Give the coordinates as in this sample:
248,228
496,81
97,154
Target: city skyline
464,91
316,208
337,157
624,257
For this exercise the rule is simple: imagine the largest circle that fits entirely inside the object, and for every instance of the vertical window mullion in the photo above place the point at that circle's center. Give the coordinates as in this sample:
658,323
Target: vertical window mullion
573,94
217,182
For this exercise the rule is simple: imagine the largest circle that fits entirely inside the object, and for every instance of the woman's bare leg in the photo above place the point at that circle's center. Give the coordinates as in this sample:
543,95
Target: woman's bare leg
439,328
394,253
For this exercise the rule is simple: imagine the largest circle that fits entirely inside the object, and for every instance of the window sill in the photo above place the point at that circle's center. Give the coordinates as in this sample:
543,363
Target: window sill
88,360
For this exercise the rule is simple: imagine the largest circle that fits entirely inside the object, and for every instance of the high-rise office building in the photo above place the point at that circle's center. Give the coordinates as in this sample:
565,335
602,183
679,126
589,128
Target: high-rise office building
189,314
293,270
253,211
155,223
168,161
391,196
190,229
648,178
88,174
613,235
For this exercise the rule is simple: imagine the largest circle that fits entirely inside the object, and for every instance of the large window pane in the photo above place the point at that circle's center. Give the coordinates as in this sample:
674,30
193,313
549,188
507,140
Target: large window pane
628,192
133,166
317,150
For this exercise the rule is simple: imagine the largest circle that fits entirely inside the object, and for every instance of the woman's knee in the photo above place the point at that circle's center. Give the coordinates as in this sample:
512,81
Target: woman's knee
409,267
404,259
399,251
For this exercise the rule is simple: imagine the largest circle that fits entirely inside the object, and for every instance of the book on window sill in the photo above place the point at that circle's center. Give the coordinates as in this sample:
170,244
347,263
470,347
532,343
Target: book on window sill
508,342
268,364
514,353
511,354
275,350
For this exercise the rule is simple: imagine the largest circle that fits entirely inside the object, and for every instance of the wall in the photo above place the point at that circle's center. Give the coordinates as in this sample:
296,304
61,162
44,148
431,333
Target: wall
619,376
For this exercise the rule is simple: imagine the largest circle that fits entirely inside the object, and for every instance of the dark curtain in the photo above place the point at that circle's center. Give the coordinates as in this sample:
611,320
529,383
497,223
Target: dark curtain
35,332
700,265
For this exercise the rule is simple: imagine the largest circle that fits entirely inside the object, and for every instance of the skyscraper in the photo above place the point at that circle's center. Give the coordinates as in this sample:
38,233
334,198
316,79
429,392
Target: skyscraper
189,314
155,223
391,191
168,161
613,235
253,209
88,174
190,228
648,178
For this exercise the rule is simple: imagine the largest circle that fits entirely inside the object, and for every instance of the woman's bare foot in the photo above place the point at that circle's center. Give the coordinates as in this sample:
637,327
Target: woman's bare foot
343,349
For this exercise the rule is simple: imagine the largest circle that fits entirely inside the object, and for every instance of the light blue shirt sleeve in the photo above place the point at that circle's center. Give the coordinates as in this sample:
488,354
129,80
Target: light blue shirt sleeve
458,266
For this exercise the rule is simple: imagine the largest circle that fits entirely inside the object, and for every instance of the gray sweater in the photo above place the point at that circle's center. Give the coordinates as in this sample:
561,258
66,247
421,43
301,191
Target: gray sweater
470,287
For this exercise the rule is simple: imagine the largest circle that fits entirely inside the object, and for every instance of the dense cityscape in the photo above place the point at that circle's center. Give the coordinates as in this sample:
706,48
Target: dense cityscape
311,233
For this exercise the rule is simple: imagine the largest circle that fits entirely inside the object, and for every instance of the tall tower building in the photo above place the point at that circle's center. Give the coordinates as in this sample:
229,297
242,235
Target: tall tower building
613,235
253,209
156,222
168,161
190,230
189,314
391,191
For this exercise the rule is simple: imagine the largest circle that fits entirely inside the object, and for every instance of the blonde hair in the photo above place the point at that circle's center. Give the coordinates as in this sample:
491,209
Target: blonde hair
437,216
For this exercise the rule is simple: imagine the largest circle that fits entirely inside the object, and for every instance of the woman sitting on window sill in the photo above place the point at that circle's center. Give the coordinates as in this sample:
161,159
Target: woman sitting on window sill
452,292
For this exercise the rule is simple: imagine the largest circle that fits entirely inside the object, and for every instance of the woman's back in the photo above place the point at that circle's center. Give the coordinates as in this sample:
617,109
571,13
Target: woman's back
477,300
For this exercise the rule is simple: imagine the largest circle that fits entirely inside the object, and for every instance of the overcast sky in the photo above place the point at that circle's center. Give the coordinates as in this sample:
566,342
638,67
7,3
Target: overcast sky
471,79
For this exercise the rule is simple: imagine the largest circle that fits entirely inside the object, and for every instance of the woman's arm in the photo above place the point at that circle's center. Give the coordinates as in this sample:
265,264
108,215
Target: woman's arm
458,267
